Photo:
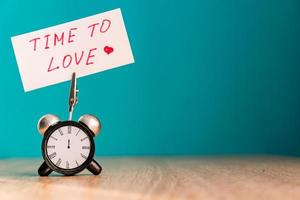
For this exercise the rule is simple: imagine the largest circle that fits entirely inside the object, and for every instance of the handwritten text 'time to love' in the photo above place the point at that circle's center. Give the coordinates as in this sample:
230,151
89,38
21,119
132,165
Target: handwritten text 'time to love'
84,46
66,37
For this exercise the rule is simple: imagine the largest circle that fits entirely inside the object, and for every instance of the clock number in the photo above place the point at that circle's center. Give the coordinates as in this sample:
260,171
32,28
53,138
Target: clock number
85,147
58,162
69,129
78,131
83,156
83,139
54,138
67,164
50,146
61,133
76,163
52,155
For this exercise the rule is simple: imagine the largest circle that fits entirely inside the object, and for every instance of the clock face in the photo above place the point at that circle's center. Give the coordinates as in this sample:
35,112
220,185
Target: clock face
68,147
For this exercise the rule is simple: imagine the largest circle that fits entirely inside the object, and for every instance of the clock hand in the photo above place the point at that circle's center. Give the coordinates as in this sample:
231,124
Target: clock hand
68,143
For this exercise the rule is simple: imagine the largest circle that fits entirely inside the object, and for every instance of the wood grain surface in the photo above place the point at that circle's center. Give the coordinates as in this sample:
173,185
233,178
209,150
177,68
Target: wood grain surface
159,178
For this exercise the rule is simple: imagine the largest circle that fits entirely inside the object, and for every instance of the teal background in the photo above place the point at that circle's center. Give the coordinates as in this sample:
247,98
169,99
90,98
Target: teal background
211,77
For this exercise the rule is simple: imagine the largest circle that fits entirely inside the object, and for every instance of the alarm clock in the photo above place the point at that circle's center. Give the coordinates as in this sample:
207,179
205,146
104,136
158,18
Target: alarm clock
68,146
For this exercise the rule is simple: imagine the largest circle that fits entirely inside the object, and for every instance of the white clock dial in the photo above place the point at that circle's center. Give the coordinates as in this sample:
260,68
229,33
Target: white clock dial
68,147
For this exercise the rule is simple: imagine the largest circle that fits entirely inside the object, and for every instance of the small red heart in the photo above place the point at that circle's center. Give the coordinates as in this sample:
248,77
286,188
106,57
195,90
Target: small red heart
108,50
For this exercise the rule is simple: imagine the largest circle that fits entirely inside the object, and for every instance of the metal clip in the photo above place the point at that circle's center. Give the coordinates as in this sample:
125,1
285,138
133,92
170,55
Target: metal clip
73,100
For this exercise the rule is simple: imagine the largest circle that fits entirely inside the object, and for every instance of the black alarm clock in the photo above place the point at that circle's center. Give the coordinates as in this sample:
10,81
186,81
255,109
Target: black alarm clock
68,146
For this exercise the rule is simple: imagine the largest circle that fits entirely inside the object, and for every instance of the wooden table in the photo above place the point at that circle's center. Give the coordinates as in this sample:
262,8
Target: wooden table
159,178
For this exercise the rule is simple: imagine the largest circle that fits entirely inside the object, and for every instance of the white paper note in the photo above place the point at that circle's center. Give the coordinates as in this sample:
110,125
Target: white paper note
85,46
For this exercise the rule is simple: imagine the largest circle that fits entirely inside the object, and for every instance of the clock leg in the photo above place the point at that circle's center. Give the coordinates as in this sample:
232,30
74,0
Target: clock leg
44,170
94,167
